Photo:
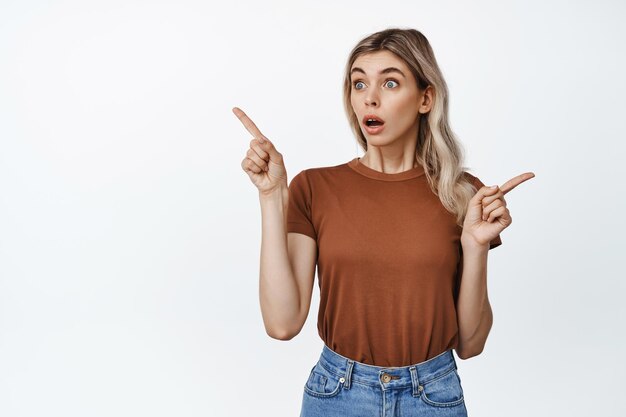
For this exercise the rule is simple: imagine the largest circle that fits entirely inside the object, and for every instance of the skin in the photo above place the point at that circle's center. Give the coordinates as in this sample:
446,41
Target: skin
400,104
487,216
397,100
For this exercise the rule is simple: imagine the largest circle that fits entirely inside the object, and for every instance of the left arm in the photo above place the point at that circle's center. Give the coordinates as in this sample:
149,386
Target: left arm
474,313
486,216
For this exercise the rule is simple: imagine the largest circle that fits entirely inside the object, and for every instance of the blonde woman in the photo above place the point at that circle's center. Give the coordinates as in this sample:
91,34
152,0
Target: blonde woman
400,238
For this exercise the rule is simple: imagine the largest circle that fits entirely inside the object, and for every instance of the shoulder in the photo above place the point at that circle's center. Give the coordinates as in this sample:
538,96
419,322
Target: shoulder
473,179
313,174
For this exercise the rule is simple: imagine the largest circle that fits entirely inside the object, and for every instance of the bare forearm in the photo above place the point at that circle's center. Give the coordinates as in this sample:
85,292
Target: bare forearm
474,312
278,290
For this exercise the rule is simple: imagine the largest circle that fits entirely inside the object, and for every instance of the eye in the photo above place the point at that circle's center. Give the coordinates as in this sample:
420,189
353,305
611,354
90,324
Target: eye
356,83
390,81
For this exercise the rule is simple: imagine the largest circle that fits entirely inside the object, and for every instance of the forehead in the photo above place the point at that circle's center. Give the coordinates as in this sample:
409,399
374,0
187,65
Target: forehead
372,62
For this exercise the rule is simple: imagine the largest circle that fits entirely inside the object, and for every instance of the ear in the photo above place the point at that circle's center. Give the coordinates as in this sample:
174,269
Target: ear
427,99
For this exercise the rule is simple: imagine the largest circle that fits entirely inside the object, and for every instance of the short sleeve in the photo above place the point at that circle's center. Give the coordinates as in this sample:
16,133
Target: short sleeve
497,241
299,215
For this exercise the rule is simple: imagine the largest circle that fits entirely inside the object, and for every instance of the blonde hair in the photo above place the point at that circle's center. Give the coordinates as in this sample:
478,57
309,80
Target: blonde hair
437,150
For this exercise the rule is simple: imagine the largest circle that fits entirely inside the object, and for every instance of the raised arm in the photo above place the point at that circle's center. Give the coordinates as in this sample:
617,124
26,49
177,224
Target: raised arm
287,261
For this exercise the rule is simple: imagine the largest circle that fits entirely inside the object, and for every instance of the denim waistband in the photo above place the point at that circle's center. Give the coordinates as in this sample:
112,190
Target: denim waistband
387,377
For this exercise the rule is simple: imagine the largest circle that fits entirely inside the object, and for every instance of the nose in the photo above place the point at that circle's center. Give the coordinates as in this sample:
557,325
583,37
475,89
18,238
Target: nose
371,99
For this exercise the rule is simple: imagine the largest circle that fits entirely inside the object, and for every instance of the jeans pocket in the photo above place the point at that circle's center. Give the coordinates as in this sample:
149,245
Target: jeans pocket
322,382
444,390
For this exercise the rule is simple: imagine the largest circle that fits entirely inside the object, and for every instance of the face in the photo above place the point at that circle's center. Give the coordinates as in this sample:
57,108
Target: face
383,86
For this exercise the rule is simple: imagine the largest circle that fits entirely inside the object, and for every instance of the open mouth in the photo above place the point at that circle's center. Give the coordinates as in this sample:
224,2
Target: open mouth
371,120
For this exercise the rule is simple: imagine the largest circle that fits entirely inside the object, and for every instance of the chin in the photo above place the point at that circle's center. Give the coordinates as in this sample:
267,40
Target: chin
384,136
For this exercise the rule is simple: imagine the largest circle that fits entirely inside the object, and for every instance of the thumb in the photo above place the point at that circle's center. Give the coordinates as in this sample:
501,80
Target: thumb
485,191
268,147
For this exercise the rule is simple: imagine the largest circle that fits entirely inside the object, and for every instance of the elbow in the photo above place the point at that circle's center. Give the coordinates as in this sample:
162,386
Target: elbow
284,331
468,354
462,354
475,345
470,350
281,334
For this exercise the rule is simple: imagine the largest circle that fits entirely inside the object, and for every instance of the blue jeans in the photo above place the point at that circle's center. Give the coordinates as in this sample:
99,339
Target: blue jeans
338,386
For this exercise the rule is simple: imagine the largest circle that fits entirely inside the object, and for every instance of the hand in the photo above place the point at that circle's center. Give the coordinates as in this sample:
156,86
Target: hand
487,214
263,163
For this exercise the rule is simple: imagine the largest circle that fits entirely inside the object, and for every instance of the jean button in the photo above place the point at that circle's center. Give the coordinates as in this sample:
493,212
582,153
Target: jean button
386,377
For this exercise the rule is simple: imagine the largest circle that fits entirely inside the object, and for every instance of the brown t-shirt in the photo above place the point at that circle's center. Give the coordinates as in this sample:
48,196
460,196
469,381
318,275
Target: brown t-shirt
388,257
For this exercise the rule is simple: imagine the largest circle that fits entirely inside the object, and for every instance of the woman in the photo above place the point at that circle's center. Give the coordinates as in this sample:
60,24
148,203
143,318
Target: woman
400,237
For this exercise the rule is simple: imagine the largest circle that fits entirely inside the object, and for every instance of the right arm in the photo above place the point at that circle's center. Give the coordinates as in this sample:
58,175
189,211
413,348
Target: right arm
287,269
288,260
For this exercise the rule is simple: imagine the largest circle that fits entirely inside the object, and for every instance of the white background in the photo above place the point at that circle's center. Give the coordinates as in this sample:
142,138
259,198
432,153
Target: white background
130,235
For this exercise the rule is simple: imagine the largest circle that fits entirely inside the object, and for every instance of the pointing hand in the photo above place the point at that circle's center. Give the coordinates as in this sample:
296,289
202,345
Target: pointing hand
263,163
487,214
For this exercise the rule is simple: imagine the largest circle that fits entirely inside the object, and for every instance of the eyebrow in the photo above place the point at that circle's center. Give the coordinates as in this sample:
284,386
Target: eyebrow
385,71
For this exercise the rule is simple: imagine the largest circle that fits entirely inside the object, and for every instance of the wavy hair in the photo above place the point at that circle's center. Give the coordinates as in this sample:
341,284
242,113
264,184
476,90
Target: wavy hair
437,150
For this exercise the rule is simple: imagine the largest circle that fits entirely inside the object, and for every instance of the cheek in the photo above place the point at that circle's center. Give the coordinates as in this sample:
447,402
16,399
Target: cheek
353,104
405,110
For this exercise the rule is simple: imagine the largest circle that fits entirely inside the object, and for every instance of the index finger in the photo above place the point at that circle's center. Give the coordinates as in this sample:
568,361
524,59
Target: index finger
249,124
515,181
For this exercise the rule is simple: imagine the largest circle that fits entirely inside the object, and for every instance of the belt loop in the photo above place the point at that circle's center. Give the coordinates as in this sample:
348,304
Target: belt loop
415,381
348,373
